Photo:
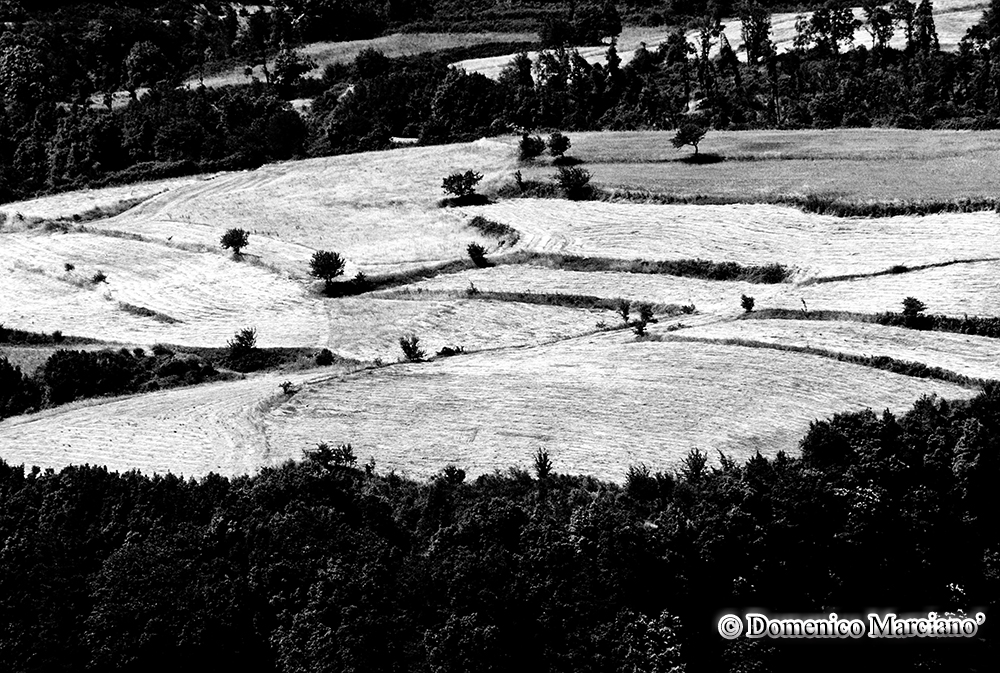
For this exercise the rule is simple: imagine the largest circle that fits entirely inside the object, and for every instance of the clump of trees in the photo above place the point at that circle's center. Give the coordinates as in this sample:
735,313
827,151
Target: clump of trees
462,188
574,183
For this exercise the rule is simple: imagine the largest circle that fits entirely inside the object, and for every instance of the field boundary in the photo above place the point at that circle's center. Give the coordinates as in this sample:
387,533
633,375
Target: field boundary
882,362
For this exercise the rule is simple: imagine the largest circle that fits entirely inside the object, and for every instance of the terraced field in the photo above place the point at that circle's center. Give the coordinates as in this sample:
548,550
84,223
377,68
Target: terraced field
816,245
597,404
533,375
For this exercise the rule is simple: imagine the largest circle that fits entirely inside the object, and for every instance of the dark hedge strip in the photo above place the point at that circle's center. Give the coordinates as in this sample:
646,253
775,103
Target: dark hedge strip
690,268
9,335
494,229
902,268
821,205
883,362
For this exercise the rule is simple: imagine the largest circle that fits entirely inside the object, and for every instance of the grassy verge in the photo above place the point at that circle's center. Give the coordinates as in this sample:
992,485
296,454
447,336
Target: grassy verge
898,269
883,362
95,213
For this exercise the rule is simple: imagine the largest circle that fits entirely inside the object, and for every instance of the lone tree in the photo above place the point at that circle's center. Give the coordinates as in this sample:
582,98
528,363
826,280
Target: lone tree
235,240
462,185
747,303
326,265
558,144
574,183
530,147
688,134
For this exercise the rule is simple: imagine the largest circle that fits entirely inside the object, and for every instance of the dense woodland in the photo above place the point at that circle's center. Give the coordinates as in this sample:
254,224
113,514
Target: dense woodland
55,61
324,566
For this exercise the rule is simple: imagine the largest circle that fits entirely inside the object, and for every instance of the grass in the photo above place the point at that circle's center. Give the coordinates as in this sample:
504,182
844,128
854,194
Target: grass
864,172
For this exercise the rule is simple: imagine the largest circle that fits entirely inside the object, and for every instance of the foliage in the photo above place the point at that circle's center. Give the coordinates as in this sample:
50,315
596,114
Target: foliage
324,358
530,147
747,303
411,349
477,254
235,239
461,185
574,183
688,134
558,144
326,265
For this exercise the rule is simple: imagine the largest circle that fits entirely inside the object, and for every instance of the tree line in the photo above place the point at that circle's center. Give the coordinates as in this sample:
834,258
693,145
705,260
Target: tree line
323,564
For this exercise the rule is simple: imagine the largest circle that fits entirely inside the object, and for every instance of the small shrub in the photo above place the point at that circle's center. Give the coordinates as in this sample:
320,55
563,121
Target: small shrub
341,456
324,358
477,254
287,387
688,309
361,282
244,340
574,183
57,336
530,147
411,348
98,278
161,350
912,307
558,144
235,240
69,267
449,351
747,303
139,353
461,185
472,290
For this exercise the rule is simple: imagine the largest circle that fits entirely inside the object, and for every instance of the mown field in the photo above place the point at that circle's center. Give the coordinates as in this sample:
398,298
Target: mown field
555,368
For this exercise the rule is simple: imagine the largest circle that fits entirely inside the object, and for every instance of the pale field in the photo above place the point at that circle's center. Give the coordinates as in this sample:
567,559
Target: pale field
596,404
367,328
973,356
951,17
868,165
212,296
67,204
814,245
956,290
187,431
377,209
393,46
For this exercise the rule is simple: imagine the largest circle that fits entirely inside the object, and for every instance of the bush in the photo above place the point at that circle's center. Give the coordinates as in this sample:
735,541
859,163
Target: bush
558,144
530,147
235,240
747,303
461,185
324,358
574,183
448,351
411,349
69,267
477,254
327,266
688,134
98,278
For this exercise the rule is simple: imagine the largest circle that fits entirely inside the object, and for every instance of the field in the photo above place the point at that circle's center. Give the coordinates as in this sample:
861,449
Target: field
570,380
887,165
816,245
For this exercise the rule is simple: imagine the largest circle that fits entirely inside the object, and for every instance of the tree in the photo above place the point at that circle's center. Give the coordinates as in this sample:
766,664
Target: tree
243,342
144,66
235,240
688,134
477,254
747,303
530,147
558,144
411,350
289,67
925,33
326,265
878,24
574,183
462,185
756,31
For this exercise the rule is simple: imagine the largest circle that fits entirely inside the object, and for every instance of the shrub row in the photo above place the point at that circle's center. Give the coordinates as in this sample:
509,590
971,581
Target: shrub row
975,326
